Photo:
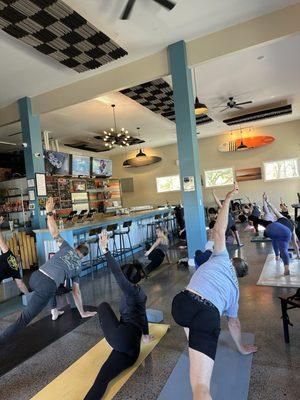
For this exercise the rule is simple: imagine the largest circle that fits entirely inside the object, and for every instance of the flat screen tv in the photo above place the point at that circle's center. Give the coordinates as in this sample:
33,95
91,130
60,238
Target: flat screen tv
57,163
102,167
81,165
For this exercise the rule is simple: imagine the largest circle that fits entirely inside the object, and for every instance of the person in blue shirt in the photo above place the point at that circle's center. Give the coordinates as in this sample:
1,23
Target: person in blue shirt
213,291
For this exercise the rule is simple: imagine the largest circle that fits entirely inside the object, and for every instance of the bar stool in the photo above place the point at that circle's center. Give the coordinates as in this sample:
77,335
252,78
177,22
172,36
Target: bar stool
111,229
169,225
99,258
151,226
123,232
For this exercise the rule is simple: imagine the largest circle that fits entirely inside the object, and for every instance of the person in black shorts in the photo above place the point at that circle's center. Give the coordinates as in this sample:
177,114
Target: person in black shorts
124,335
9,267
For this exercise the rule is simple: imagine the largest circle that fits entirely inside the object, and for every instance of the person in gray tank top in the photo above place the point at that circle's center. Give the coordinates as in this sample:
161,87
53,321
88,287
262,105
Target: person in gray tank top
66,263
213,291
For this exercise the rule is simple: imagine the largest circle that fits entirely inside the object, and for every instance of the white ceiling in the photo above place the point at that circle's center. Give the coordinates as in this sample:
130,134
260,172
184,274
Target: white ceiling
274,79
26,72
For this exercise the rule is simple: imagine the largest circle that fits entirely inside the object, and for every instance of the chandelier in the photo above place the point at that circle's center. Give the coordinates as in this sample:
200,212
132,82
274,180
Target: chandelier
115,137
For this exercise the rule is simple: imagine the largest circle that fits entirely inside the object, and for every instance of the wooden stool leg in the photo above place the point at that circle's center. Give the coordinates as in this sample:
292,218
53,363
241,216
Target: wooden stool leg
285,321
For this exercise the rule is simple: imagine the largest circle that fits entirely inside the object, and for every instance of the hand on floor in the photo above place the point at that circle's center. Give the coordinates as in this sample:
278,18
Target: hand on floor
248,349
87,314
148,338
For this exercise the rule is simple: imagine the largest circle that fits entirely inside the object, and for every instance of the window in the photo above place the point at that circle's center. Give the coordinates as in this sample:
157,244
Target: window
283,169
168,183
219,177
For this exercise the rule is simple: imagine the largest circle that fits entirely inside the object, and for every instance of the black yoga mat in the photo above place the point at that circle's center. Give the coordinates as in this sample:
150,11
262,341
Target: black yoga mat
39,335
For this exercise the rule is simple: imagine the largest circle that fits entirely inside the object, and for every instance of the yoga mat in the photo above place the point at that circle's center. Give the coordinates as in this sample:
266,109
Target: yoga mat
272,273
230,378
35,337
75,381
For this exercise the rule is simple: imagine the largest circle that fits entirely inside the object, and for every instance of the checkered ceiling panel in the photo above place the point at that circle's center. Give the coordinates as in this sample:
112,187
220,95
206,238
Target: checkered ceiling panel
55,29
157,96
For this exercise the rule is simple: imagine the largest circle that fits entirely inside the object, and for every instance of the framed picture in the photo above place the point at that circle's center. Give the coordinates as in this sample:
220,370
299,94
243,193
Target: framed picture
41,184
248,174
79,186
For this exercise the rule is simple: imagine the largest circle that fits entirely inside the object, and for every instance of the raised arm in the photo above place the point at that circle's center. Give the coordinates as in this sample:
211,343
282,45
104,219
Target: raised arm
51,223
126,286
217,200
3,246
222,222
273,208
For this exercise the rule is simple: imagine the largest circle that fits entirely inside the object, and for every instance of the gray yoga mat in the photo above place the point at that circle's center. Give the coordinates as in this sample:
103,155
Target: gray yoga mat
260,239
230,378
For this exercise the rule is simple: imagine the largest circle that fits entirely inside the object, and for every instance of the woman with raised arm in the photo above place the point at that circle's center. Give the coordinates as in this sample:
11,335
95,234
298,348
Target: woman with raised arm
158,251
66,263
9,267
213,291
281,232
124,335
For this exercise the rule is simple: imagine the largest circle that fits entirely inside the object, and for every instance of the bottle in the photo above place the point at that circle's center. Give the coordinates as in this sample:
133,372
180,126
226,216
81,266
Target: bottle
61,223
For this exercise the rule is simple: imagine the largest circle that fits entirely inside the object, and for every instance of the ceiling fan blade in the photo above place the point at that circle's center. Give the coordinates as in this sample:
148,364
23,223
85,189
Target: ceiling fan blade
166,3
238,107
8,143
224,109
127,9
15,134
244,102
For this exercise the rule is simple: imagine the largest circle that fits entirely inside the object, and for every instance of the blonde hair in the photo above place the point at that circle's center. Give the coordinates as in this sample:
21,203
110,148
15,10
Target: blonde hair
164,232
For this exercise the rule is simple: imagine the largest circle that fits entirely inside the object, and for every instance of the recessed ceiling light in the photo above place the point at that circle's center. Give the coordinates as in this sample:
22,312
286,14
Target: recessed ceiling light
260,57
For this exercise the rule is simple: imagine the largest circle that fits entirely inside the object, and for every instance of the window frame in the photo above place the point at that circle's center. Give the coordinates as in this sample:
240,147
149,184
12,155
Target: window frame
167,191
280,179
217,169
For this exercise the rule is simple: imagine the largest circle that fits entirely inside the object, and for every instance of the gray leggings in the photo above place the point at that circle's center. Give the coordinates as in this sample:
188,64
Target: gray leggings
44,290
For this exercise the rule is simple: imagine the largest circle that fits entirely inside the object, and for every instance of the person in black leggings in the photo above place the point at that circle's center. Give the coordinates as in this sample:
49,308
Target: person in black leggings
124,335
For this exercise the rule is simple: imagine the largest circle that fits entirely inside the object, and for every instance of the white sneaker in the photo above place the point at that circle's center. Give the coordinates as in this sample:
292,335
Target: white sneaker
56,313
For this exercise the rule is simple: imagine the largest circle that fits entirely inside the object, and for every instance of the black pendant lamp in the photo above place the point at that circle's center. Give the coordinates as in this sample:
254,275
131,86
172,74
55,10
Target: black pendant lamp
242,146
141,159
200,108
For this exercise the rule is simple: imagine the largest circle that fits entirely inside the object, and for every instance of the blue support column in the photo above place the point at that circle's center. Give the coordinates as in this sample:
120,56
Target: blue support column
33,153
188,150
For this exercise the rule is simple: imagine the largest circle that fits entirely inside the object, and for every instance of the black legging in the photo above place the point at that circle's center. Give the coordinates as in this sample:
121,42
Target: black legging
125,339
156,257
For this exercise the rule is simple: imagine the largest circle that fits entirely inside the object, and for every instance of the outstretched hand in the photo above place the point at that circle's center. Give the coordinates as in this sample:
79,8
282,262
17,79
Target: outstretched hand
233,191
50,204
265,196
88,314
1,220
103,239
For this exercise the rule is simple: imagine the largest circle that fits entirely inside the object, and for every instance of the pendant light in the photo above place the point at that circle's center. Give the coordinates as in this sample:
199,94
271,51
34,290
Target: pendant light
242,146
141,159
200,108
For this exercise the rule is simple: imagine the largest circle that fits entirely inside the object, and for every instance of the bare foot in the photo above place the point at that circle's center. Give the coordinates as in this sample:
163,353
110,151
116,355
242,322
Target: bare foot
287,272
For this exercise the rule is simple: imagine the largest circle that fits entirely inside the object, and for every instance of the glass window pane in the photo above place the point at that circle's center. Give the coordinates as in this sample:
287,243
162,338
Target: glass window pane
168,183
219,177
283,169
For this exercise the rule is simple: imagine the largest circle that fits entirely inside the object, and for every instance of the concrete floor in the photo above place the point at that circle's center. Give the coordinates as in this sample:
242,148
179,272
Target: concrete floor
275,369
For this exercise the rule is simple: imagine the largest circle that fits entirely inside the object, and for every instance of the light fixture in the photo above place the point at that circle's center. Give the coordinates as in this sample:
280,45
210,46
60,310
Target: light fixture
242,146
200,108
141,159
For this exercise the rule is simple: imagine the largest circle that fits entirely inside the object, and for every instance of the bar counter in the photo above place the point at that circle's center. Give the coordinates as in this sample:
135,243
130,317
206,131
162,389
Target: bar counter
75,233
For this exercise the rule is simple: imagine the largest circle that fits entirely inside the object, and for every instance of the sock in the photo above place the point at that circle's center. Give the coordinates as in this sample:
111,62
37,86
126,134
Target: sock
56,313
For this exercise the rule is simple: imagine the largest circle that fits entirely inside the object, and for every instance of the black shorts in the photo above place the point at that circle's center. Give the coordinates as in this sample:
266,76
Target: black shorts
203,321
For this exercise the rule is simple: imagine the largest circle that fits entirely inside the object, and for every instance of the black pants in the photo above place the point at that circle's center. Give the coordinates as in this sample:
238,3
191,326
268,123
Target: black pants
156,257
255,221
125,339
44,290
202,320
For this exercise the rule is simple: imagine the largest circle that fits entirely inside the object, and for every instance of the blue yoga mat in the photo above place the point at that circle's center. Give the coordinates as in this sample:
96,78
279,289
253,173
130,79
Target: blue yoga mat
230,378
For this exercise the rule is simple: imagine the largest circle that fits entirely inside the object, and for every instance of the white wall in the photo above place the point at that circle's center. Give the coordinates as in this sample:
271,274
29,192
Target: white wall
286,145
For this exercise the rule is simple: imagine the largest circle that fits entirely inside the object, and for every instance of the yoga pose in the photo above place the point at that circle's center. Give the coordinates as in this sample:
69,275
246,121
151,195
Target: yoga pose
212,292
158,251
9,267
281,232
66,263
231,227
124,335
252,211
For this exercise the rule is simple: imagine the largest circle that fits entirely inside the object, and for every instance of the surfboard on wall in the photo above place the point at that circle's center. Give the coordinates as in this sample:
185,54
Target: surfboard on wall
248,142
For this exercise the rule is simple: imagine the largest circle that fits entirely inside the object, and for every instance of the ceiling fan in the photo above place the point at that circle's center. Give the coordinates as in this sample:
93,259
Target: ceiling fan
130,3
231,103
